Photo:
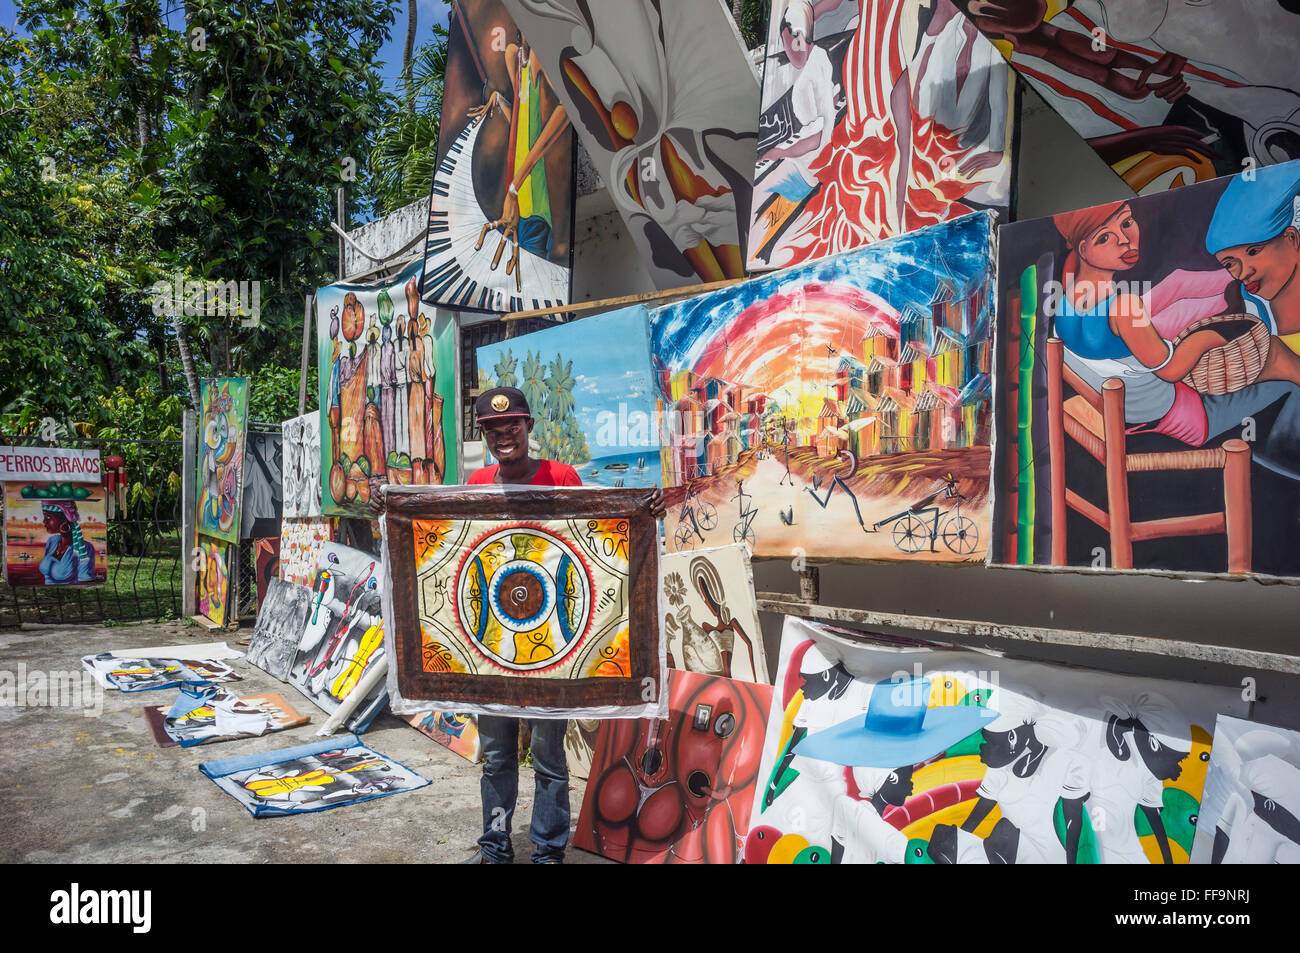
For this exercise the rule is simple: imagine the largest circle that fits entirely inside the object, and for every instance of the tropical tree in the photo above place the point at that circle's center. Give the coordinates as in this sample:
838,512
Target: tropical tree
560,382
505,370
534,383
405,152
140,147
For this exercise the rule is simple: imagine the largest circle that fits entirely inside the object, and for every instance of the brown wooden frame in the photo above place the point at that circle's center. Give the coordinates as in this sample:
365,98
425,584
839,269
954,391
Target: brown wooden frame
1106,445
403,505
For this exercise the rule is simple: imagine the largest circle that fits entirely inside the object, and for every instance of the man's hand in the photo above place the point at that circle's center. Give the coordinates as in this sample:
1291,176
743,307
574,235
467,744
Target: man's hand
478,112
656,504
377,502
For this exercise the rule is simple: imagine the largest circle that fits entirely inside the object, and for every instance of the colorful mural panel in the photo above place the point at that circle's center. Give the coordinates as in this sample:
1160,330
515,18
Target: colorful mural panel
536,600
387,391
663,98
882,754
223,431
1152,390
500,234
879,117
590,387
841,409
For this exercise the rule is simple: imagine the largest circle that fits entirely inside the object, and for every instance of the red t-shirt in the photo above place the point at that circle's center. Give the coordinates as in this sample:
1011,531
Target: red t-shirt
550,473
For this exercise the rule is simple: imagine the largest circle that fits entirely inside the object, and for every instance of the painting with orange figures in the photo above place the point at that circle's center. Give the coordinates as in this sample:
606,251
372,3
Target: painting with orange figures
840,409
56,534
536,600
388,395
213,588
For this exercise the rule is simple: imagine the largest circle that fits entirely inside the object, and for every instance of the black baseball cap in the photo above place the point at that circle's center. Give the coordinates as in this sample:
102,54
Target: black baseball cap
501,402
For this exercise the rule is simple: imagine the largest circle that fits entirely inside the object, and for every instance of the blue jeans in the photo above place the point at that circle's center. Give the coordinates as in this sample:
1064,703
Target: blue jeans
500,787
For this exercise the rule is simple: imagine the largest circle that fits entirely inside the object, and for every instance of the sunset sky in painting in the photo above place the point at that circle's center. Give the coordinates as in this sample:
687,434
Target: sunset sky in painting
755,334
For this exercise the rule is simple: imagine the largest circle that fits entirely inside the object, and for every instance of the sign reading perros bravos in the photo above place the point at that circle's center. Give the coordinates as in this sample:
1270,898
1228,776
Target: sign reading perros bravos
49,463
55,531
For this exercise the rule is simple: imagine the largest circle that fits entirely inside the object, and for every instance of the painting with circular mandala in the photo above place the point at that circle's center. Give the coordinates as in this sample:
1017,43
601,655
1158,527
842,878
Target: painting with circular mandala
532,600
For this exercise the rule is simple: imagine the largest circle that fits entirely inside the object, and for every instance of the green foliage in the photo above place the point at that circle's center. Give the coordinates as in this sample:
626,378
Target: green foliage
406,147
505,370
753,22
153,469
273,392
134,150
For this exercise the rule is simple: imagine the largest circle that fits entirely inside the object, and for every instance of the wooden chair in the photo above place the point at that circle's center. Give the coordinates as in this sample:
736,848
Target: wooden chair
1096,422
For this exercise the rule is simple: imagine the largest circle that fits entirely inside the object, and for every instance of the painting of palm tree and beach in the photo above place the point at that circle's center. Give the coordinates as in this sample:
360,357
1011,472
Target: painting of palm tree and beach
589,385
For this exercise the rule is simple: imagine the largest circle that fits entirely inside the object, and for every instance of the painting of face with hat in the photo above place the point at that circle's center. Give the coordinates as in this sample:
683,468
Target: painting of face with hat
884,753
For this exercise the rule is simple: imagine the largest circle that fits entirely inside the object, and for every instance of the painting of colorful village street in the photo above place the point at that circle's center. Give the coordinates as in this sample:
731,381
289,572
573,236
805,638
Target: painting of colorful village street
836,410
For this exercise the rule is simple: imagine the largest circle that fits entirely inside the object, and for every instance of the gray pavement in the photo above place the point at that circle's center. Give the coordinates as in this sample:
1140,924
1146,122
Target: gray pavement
78,788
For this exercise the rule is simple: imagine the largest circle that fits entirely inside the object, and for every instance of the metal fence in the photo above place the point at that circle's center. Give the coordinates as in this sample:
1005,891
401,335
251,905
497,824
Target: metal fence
145,571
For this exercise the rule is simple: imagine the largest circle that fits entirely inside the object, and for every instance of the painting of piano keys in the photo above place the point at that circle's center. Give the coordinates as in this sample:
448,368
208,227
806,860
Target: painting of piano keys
55,533
456,733
878,118
300,544
678,791
213,589
332,772
205,714
223,432
300,475
1158,430
663,97
388,368
501,213
1166,93
882,754
1250,813
344,634
539,601
590,387
840,409
281,621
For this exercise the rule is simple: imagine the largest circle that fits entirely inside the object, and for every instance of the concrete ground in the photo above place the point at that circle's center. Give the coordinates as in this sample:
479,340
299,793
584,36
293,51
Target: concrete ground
78,788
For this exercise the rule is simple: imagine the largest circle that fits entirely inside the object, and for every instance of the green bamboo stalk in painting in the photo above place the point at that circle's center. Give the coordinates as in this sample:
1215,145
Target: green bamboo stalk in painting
1025,415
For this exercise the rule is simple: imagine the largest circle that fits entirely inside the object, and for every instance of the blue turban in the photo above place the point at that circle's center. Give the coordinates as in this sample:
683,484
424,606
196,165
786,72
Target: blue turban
1255,211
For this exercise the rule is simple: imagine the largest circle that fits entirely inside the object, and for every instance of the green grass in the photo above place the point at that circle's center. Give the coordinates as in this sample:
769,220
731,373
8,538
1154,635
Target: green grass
137,589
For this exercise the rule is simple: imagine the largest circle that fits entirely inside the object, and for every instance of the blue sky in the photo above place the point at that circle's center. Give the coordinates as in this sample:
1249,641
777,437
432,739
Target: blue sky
611,366
429,12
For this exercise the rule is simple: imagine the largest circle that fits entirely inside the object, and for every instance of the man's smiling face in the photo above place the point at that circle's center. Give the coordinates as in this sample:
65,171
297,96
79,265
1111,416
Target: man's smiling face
507,438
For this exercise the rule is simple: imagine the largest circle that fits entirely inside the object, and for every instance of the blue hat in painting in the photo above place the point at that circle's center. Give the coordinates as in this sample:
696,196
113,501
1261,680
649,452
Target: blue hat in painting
898,729
1255,210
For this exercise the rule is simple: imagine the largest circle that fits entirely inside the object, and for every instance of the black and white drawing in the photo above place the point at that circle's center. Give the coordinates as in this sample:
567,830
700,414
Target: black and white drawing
280,627
300,474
